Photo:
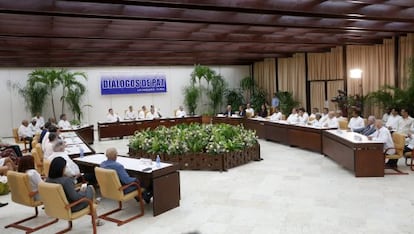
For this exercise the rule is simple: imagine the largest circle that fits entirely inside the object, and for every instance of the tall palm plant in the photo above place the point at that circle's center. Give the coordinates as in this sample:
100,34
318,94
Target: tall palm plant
71,86
50,78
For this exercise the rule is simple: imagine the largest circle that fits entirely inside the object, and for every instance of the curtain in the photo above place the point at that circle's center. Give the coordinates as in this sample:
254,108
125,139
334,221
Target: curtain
406,51
377,64
291,76
317,89
326,66
265,75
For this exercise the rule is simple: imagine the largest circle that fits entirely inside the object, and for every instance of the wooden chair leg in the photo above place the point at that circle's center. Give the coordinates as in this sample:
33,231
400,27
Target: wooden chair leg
18,225
397,171
66,229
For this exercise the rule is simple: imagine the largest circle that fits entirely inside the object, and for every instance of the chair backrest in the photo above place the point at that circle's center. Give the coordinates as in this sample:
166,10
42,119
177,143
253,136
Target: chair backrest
35,141
399,142
16,136
37,161
249,114
109,183
39,150
46,166
343,124
283,117
20,188
55,201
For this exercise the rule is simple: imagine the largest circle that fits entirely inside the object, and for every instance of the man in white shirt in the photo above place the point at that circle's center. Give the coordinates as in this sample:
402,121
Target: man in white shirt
331,121
26,133
142,112
111,117
369,129
250,111
393,119
314,112
302,116
356,122
151,114
275,116
180,113
383,134
34,127
317,121
63,122
53,138
385,116
293,117
40,121
51,129
405,123
156,112
130,114
324,114
71,170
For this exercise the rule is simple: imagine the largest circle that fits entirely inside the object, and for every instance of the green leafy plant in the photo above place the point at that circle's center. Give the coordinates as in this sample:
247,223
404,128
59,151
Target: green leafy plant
247,85
193,138
287,102
34,96
234,97
191,97
258,98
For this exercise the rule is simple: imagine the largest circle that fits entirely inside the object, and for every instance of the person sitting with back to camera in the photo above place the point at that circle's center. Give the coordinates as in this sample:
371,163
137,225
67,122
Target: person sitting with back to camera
111,163
26,165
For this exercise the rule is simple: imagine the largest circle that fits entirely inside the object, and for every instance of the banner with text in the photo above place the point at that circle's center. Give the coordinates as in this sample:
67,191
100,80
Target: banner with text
130,83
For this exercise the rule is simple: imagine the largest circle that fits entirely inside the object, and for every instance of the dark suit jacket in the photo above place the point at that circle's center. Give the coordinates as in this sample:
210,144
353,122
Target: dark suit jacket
368,130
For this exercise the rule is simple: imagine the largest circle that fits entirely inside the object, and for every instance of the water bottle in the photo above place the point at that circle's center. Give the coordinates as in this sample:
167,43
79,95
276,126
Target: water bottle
158,161
81,151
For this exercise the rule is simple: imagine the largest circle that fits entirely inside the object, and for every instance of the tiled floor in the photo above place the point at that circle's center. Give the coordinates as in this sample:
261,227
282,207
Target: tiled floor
290,191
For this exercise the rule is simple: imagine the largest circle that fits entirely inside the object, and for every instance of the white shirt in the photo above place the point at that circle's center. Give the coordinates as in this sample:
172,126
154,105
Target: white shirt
45,140
385,118
275,116
150,115
331,123
324,118
112,118
34,128
48,149
130,115
317,123
410,142
356,123
384,135
180,113
404,125
71,169
250,111
303,119
40,122
393,121
293,118
141,114
64,124
35,179
25,131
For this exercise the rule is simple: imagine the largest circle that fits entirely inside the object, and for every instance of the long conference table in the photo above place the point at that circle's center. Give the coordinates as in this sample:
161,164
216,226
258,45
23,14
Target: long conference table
350,150
165,180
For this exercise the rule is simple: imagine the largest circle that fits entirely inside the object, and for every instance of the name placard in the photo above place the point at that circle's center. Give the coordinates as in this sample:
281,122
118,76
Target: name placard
133,83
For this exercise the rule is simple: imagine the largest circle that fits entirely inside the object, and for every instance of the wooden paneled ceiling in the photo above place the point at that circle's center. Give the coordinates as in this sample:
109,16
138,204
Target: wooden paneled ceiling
134,32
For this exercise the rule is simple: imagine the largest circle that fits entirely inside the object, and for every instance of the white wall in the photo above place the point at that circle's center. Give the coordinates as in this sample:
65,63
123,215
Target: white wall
13,106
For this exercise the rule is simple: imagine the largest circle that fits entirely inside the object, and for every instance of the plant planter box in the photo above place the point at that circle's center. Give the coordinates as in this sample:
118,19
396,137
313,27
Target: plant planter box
204,161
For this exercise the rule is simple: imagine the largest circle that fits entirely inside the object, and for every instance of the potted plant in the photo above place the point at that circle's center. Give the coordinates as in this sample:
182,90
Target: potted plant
234,97
191,97
287,102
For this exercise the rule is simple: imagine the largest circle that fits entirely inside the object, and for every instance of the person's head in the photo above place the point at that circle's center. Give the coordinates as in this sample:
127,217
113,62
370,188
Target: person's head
378,123
318,116
52,136
331,114
248,105
404,113
228,108
57,167
301,111
33,122
25,123
276,109
325,111
338,113
37,114
356,113
47,125
394,111
59,146
130,108
26,163
387,110
52,120
241,109
53,128
315,110
111,153
144,108
294,110
371,120
181,108
111,111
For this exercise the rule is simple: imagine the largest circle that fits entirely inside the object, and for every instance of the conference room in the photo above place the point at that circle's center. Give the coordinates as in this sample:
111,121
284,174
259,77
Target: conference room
206,116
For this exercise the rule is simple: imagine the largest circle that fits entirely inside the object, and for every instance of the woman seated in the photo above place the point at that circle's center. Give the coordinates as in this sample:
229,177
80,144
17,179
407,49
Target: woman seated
263,111
26,165
56,175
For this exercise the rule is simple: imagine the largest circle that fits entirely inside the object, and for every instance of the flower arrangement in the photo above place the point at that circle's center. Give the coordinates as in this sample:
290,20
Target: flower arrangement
193,138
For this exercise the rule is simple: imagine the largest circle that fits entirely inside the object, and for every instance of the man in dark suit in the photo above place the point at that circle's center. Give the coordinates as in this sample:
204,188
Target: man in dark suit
369,129
228,111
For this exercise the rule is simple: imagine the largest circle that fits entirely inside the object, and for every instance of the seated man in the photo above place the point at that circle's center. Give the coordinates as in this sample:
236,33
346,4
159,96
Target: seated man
302,116
383,134
111,163
249,111
404,124
293,118
63,122
25,133
317,121
40,121
228,112
130,114
331,121
53,138
314,112
142,113
356,122
393,119
369,129
72,169
111,117
180,113
33,127
277,115
324,114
